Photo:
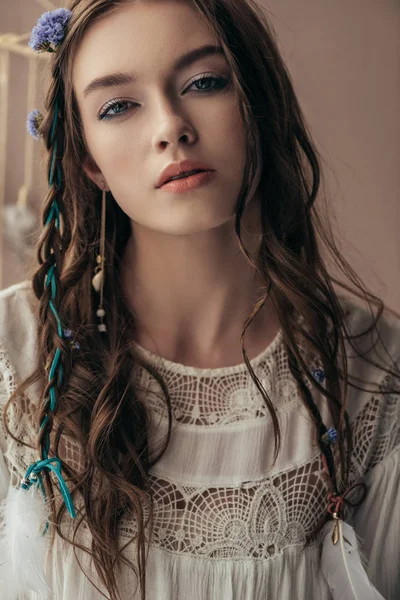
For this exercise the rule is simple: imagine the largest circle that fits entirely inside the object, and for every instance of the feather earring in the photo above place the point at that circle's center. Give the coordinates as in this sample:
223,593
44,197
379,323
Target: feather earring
341,563
23,545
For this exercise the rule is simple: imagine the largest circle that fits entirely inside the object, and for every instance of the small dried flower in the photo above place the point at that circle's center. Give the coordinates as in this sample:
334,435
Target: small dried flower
33,123
50,30
330,436
68,335
319,375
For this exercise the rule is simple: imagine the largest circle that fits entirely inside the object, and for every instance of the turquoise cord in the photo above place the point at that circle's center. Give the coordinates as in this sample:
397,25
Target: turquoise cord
39,465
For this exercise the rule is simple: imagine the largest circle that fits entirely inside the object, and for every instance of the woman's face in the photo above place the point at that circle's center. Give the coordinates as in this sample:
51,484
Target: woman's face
161,116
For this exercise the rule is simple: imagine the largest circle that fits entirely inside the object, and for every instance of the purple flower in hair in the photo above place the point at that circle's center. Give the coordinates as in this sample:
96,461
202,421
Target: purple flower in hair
33,123
50,30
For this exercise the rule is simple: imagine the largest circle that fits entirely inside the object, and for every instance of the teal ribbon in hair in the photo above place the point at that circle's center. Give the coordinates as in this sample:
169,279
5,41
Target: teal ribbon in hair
47,463
54,206
53,128
38,466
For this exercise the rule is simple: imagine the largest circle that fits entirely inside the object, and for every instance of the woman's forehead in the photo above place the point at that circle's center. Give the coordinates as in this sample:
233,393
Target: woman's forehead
145,36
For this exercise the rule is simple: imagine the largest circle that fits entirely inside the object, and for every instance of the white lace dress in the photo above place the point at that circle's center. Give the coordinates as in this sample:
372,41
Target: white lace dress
227,525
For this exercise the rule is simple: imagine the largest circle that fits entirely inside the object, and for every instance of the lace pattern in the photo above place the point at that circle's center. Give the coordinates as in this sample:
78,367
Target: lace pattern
215,397
376,427
256,519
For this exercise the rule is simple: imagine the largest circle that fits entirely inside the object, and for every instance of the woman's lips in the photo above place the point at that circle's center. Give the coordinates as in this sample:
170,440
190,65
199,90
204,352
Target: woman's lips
187,183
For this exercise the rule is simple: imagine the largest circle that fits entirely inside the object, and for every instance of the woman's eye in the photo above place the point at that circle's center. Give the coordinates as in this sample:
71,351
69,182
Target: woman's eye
219,83
111,106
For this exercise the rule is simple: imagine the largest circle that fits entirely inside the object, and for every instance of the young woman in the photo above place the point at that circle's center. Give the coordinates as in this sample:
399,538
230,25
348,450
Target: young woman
190,410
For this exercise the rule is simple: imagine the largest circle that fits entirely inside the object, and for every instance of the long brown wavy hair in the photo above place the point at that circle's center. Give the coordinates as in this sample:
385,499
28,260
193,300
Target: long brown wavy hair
97,401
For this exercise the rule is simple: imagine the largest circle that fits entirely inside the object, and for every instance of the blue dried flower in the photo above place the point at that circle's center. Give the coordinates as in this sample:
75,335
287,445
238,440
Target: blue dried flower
330,436
68,335
319,375
33,123
50,30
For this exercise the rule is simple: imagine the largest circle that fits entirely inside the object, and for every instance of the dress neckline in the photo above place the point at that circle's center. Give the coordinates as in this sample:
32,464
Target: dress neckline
183,369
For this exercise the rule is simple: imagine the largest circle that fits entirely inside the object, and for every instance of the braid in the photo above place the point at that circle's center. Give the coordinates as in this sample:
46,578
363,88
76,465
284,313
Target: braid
316,415
50,256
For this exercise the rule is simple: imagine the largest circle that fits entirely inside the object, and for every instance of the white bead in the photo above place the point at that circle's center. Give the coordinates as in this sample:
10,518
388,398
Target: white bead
101,327
100,312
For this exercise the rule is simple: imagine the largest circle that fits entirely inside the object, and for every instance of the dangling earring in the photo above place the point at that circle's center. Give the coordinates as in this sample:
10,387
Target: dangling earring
98,279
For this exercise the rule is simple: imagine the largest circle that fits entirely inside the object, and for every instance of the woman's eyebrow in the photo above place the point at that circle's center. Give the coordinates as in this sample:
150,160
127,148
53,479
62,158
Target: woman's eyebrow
183,61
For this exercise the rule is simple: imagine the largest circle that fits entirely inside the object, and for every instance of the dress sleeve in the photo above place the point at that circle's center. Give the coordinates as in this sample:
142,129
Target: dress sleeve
4,395
377,520
4,471
377,523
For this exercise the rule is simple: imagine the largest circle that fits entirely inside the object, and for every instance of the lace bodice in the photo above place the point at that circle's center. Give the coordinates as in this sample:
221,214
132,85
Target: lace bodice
217,495
222,396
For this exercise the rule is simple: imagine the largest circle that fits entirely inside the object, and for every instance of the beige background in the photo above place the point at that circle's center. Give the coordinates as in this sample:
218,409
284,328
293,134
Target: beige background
343,56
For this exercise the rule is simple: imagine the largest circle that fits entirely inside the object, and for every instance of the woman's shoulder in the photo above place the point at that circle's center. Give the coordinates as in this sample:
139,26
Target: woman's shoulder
17,311
18,329
371,351
18,292
378,340
373,396
18,348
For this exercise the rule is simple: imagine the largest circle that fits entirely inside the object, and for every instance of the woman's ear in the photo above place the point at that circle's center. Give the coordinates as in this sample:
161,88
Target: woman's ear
92,171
